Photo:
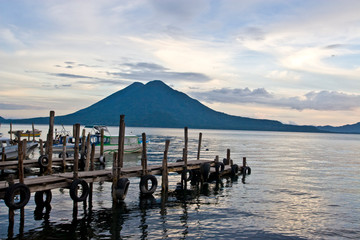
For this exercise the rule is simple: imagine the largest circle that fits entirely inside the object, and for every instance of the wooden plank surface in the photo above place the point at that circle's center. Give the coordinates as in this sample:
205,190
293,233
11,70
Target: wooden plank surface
62,180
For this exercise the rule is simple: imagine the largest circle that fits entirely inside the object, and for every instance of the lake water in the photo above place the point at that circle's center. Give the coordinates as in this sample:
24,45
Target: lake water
302,186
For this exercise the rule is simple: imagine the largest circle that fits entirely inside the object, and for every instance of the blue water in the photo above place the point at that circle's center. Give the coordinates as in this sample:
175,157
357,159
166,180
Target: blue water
302,186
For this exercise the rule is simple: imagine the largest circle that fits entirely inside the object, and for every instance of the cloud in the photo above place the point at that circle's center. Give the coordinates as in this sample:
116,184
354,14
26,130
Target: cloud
321,101
143,71
92,80
67,75
9,106
226,95
284,75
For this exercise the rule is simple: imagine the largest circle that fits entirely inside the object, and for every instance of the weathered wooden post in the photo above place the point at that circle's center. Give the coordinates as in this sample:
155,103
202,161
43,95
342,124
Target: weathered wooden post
3,154
228,160
91,169
186,138
217,167
10,181
83,142
92,157
64,153
165,172
3,158
244,164
50,141
184,171
199,146
21,160
76,166
87,160
102,158
119,162
144,156
121,144
76,151
185,151
21,154
114,174
10,131
33,129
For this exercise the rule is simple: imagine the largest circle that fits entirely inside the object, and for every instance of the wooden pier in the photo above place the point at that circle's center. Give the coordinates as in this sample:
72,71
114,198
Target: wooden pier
17,192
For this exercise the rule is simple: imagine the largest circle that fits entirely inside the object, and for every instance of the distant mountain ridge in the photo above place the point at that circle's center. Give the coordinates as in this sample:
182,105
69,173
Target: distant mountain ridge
349,128
157,105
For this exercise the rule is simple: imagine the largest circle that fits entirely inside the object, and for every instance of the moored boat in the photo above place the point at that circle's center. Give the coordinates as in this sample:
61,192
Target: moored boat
27,133
11,150
132,143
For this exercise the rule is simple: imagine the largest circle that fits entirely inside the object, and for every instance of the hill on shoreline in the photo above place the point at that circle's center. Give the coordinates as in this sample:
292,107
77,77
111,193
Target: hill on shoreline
155,104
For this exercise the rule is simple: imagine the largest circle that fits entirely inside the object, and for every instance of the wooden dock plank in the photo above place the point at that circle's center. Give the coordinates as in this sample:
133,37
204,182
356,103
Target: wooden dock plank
62,180
13,164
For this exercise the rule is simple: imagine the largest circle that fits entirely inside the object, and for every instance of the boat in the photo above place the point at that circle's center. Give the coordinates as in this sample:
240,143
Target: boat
132,143
11,150
27,133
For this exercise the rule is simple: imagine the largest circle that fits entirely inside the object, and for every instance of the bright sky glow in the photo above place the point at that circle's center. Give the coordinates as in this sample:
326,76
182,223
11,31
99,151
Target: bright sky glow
289,60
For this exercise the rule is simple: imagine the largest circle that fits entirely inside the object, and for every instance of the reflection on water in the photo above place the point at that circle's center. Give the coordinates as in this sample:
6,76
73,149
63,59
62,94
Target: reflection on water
303,186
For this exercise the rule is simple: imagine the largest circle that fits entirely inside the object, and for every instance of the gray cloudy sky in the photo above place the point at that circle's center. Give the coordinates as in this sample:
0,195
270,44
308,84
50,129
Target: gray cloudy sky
288,60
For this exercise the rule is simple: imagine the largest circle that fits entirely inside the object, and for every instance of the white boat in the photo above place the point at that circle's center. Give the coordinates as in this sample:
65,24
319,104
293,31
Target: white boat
132,143
11,150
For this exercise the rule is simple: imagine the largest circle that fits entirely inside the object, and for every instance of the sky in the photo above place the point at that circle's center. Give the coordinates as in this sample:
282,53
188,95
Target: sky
295,61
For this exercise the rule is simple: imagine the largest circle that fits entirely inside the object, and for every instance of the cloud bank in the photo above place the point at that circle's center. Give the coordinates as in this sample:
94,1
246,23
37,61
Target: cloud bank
321,101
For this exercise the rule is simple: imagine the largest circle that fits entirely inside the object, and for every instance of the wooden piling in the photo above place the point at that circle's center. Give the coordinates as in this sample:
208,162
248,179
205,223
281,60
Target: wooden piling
83,143
92,167
228,157
92,157
87,160
184,171
244,162
11,132
114,176
33,129
102,142
3,158
3,155
21,160
121,144
11,224
144,155
76,151
199,146
185,150
50,141
186,139
64,153
165,172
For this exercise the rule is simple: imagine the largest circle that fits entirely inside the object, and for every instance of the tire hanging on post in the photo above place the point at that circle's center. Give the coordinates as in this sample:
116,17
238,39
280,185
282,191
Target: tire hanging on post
144,188
43,162
185,173
234,169
219,167
205,171
74,187
39,198
14,190
121,188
